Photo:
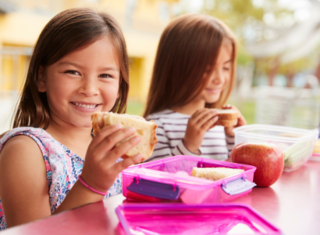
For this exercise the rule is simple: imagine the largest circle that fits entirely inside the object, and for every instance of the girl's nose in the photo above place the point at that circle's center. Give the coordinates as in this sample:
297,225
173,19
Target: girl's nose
89,87
218,76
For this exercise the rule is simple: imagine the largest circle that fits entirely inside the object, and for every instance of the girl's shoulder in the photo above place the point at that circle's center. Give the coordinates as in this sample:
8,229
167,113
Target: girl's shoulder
42,138
32,132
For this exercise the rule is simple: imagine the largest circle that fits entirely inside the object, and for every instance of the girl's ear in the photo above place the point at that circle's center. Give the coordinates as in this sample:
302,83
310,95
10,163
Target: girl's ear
41,80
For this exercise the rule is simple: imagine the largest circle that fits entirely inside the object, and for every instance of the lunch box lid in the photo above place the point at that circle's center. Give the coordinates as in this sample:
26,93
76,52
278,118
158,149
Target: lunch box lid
178,218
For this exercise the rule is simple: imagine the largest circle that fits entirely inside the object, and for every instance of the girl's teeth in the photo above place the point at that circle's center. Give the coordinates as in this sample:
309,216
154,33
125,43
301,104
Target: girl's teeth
87,106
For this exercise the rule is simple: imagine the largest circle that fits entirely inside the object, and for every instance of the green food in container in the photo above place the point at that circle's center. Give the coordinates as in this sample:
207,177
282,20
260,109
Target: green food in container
298,153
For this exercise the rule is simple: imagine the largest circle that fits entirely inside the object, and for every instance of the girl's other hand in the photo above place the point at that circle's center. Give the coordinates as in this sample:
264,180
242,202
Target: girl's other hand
241,121
101,169
199,123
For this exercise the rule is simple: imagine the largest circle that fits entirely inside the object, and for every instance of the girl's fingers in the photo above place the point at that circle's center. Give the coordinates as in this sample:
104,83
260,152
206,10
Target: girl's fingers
229,131
118,167
199,115
109,142
206,116
210,124
103,133
241,121
227,106
124,156
119,151
195,116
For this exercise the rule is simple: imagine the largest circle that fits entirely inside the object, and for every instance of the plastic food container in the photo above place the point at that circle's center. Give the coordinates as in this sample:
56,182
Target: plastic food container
158,218
297,144
169,180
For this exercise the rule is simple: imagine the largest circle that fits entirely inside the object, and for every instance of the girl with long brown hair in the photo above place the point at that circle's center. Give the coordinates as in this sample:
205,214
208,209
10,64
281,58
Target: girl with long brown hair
193,75
79,66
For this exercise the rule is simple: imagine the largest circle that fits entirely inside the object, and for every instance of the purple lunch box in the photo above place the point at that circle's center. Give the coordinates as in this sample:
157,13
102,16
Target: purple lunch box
169,180
178,218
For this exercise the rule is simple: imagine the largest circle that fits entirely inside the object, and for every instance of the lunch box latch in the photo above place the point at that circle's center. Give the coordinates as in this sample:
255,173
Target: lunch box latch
154,189
237,186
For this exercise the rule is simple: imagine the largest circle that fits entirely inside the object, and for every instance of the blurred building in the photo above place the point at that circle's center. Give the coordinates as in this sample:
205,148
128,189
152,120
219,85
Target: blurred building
21,21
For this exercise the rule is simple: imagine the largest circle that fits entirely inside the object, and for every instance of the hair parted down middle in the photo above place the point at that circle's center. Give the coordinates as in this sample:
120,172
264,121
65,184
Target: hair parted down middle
189,45
66,32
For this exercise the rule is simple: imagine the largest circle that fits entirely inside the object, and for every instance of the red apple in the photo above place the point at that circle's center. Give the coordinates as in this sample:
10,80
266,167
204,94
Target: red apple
268,158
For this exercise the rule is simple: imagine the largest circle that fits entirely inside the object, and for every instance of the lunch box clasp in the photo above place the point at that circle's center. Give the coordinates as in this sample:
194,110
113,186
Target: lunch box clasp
154,189
237,186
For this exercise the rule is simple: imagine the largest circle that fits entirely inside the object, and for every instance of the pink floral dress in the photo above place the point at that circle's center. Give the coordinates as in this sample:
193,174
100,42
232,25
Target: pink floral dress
63,167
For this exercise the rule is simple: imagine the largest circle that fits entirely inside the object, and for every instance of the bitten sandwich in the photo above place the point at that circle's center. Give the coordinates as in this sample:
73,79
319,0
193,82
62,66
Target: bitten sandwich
214,173
227,117
145,129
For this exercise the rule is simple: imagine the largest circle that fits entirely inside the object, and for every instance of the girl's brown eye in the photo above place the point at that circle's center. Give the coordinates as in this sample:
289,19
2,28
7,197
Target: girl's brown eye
105,76
73,72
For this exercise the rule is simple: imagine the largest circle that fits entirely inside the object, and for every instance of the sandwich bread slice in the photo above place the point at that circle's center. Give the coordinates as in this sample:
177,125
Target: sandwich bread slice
145,129
214,173
227,117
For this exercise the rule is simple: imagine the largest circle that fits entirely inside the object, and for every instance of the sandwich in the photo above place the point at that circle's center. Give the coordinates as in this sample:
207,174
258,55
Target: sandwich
145,129
227,117
214,173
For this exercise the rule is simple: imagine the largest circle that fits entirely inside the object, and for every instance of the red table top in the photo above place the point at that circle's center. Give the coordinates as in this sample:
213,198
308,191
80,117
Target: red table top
292,204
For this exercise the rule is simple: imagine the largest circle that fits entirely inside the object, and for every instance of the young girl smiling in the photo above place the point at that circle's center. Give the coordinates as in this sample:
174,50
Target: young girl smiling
193,76
50,162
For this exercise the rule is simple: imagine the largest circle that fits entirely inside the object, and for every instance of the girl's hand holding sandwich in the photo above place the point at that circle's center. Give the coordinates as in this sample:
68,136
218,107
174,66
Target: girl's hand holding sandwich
199,123
241,121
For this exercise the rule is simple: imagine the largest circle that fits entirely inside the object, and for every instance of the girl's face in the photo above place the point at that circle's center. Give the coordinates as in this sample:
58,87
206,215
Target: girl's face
81,83
220,76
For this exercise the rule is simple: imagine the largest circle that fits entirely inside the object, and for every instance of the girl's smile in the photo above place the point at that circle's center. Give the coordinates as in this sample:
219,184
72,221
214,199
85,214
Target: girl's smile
85,107
213,91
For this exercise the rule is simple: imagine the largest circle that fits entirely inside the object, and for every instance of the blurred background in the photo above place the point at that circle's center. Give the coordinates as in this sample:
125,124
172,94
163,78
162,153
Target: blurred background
278,71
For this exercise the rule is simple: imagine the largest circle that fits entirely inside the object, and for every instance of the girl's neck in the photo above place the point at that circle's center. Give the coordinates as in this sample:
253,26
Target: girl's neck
190,108
75,138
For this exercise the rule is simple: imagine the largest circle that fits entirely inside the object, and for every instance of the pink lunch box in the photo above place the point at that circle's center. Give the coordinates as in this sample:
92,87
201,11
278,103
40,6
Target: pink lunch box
169,180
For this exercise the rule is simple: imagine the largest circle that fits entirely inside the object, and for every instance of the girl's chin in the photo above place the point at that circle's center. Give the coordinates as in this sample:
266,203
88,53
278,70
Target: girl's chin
89,125
84,124
212,100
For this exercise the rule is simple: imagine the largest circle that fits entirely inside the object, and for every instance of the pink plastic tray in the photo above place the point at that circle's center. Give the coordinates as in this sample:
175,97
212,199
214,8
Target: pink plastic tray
173,218
169,180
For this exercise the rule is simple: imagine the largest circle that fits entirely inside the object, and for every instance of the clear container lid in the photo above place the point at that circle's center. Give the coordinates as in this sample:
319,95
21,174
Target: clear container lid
156,218
277,133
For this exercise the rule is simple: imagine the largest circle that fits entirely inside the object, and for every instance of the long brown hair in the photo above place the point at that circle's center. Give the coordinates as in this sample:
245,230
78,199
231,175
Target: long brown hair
63,34
188,46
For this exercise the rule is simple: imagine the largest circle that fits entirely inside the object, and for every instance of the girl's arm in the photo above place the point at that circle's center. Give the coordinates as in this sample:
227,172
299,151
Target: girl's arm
197,126
101,169
23,182
199,123
163,147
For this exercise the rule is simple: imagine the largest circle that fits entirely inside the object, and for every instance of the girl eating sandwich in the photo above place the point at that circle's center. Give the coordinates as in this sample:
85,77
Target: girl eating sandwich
192,78
49,161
